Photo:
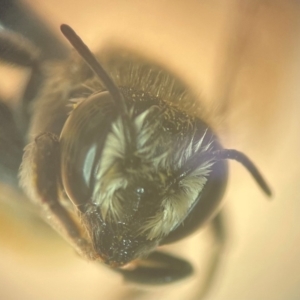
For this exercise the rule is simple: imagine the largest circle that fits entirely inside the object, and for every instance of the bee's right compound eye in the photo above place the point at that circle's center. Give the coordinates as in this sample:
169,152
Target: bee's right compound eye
82,140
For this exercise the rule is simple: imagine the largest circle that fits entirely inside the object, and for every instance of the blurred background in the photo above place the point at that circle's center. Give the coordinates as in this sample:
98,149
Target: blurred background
242,58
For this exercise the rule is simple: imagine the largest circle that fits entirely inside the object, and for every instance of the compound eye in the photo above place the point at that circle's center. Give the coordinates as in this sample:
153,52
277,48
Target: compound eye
82,140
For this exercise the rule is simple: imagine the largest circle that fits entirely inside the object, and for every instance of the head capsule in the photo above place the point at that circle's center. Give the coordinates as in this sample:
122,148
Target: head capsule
136,166
133,192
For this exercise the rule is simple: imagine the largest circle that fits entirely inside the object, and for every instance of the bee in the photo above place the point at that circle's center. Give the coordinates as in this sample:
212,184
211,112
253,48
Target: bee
118,158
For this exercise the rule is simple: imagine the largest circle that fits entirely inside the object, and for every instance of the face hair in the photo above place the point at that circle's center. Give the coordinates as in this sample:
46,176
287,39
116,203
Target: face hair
156,162
176,204
142,138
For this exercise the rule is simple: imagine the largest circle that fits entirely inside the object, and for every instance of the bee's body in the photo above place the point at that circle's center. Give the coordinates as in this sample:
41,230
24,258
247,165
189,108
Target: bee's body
173,134
122,160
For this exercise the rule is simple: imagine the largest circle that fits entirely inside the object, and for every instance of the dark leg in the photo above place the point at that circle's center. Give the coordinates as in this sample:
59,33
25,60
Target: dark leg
16,16
17,50
11,147
24,111
39,178
219,239
158,268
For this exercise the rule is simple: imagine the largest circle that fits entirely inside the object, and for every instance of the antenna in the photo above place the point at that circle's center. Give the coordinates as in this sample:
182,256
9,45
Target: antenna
247,163
90,59
232,154
93,63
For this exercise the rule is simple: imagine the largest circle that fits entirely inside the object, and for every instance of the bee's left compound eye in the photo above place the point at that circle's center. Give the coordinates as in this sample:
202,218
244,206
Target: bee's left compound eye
82,140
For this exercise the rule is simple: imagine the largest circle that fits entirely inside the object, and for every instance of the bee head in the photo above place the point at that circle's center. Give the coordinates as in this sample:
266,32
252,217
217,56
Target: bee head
133,171
133,190
124,166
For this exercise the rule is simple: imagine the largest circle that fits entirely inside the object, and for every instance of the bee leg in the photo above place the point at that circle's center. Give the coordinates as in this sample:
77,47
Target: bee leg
158,268
11,147
219,236
17,16
17,50
39,177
